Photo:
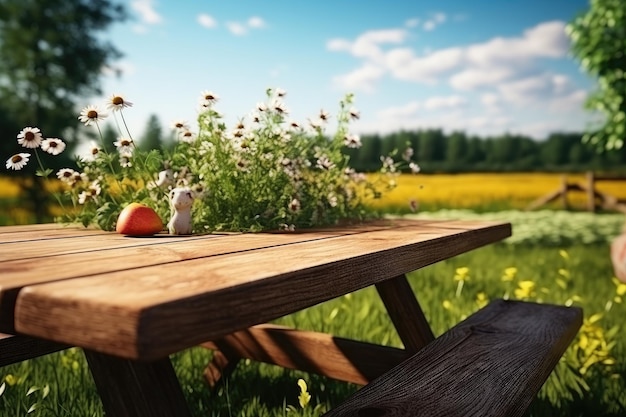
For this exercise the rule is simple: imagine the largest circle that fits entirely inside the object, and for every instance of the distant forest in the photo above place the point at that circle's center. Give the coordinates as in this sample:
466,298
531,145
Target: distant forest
436,151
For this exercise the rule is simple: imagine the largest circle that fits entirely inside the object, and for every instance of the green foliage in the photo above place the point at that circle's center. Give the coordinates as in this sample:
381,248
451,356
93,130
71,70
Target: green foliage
264,174
544,228
52,54
599,42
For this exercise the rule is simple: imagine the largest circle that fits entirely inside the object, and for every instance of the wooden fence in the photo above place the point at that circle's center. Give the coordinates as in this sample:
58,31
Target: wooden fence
595,199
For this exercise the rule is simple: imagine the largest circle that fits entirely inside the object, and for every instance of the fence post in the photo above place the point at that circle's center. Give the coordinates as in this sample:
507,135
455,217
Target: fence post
564,190
591,192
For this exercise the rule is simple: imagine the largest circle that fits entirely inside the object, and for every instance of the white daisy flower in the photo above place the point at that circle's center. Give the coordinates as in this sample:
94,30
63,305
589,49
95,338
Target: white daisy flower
18,161
280,92
407,154
261,107
91,115
294,205
280,107
187,136
30,137
126,161
324,163
53,146
66,175
116,103
180,125
352,141
208,98
124,145
90,193
414,168
324,115
354,113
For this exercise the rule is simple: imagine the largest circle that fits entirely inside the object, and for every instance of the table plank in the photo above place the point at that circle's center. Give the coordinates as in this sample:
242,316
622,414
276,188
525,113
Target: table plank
72,259
216,295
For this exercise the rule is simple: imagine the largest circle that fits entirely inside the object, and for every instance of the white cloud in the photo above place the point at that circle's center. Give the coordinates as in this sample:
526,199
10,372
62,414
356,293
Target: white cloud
207,21
473,78
426,69
236,28
405,111
449,102
368,45
434,21
146,11
360,79
534,88
546,40
411,23
469,67
491,101
256,22
240,29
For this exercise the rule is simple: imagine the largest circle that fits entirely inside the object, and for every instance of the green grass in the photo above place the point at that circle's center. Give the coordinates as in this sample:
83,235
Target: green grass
261,390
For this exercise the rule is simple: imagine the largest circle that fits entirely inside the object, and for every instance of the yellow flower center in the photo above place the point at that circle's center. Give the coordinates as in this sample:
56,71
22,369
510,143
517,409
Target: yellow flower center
92,114
118,101
94,151
16,158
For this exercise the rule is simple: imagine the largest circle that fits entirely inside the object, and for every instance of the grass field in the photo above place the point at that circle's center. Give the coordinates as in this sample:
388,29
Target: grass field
554,256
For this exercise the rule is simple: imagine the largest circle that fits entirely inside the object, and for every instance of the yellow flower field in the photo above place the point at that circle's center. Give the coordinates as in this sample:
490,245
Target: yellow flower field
483,192
488,191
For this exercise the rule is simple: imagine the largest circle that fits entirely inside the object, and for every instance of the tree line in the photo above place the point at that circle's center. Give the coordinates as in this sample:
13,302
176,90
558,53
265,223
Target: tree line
437,151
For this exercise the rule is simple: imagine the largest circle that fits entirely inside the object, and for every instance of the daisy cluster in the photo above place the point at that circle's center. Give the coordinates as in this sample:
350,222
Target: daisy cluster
266,172
32,138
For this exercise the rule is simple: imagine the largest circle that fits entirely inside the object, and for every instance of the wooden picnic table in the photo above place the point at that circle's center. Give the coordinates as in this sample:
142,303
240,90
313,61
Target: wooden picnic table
129,302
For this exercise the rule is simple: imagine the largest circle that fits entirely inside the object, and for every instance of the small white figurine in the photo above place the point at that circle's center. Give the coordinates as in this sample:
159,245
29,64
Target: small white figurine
181,200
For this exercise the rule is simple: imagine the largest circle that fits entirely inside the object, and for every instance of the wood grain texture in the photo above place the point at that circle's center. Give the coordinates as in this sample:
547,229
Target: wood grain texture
491,364
320,353
137,389
405,313
15,349
152,311
71,257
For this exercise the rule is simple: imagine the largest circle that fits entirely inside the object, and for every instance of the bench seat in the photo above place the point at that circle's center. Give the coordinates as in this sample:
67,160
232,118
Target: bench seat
491,364
15,349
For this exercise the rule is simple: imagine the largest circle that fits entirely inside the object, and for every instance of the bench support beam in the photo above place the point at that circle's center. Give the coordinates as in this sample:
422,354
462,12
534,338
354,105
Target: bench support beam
137,389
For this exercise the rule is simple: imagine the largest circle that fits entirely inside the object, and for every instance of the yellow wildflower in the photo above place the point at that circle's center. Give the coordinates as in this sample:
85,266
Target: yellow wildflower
509,274
462,274
304,396
525,289
481,299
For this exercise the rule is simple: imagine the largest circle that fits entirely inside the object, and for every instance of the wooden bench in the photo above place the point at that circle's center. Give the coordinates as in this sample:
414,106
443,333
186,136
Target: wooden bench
15,349
491,364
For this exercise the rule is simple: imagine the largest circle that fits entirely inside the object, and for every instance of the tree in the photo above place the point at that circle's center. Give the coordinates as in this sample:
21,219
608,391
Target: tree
599,42
52,55
152,137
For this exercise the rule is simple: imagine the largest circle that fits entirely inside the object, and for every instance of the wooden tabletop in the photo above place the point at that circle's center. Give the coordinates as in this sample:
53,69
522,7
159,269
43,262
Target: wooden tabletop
145,298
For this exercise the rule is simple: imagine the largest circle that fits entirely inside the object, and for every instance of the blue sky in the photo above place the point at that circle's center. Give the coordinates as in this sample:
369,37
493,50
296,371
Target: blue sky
484,67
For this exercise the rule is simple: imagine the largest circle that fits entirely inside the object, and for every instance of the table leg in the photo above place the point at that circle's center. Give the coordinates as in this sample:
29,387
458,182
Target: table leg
137,389
405,313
